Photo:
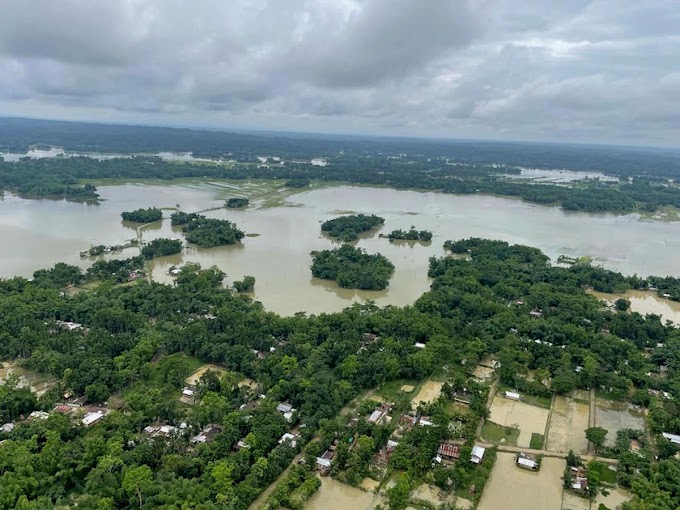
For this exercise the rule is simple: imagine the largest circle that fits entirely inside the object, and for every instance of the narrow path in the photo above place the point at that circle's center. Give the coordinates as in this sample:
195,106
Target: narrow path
489,401
544,453
547,423
591,418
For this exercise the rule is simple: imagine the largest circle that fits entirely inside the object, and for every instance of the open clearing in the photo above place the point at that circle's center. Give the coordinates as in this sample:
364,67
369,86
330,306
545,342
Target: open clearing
483,373
571,501
614,499
529,419
38,383
427,493
369,484
407,388
512,488
568,422
193,378
615,416
334,495
429,392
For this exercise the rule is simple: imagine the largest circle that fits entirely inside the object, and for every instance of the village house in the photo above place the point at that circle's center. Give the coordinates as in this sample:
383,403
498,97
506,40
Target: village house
477,454
7,427
323,463
240,445
419,345
512,395
673,438
289,438
448,451
380,414
38,415
188,396
92,418
287,410
462,396
526,461
206,435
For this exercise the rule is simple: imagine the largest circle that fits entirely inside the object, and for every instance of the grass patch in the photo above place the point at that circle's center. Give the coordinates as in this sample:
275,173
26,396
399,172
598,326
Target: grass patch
604,395
607,475
392,390
499,434
158,369
582,401
534,400
536,442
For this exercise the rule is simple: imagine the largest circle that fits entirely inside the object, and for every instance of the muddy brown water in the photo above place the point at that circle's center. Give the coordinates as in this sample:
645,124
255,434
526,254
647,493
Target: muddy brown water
334,495
646,302
568,421
47,231
528,418
512,488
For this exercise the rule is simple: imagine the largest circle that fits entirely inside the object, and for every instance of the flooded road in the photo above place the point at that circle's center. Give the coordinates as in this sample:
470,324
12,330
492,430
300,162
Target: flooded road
334,495
43,232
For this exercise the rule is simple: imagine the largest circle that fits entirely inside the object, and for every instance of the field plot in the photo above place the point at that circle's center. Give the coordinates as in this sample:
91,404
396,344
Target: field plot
334,495
194,378
615,416
429,392
38,383
568,422
528,419
512,488
571,501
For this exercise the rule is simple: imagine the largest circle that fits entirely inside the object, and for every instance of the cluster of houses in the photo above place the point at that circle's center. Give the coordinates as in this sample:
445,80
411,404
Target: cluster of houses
579,481
71,326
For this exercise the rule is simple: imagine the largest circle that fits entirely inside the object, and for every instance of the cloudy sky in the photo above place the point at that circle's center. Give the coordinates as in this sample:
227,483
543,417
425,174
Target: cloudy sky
570,70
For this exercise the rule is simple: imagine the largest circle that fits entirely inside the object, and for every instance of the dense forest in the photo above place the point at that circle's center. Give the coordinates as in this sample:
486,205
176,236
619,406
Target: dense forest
131,348
161,248
209,232
353,268
347,228
143,215
237,203
410,235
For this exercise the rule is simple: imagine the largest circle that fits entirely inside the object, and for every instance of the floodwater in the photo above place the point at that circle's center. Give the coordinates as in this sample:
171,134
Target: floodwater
193,379
559,176
615,416
38,383
334,495
646,302
512,488
429,392
44,232
529,419
568,422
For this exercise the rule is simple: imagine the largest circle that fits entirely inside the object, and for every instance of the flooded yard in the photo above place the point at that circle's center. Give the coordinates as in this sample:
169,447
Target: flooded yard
646,302
334,495
483,373
529,419
429,392
568,422
193,379
571,501
615,416
512,488
38,383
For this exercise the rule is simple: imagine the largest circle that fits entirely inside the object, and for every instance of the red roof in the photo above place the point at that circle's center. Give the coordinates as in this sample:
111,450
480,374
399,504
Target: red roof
449,450
62,409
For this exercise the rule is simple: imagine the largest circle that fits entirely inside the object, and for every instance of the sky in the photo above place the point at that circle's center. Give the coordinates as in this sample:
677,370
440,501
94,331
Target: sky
602,71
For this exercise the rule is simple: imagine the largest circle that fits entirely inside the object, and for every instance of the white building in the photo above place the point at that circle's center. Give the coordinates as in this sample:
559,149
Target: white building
477,454
91,418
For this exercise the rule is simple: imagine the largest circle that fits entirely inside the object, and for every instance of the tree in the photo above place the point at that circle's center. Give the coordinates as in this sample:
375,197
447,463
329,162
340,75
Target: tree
138,480
597,436
622,304
245,285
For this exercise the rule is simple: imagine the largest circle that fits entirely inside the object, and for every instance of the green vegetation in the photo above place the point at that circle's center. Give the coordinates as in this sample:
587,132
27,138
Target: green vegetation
294,490
143,215
138,343
210,232
181,218
245,285
410,235
297,183
353,268
537,440
161,248
348,228
237,203
597,436
499,434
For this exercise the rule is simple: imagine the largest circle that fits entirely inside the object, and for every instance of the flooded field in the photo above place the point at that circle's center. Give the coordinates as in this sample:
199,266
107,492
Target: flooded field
568,422
196,376
613,500
615,416
527,418
646,302
48,231
429,392
38,383
334,495
571,501
512,488
482,373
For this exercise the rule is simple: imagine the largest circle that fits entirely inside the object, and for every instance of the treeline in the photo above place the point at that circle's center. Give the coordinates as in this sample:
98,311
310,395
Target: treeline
143,215
161,248
347,228
353,268
236,203
641,194
410,235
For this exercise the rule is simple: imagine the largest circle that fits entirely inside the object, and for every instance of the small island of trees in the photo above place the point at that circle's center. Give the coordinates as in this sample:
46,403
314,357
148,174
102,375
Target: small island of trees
161,248
210,232
182,218
410,235
245,285
297,183
353,268
348,228
143,215
236,203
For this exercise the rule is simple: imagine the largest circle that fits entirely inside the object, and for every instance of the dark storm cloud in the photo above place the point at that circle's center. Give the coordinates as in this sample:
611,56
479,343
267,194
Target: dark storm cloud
601,70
